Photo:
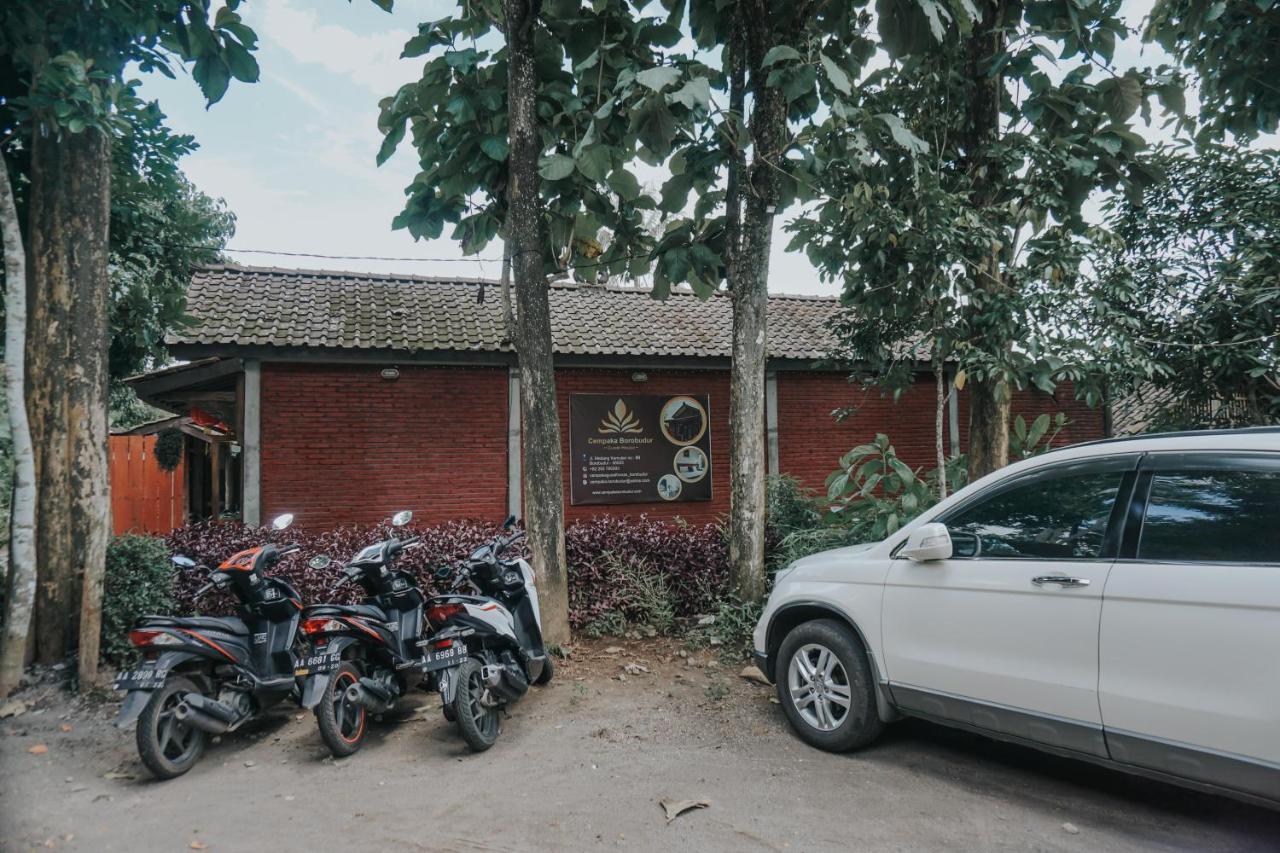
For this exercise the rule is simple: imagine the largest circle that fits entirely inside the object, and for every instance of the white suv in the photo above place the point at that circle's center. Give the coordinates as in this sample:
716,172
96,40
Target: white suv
1117,601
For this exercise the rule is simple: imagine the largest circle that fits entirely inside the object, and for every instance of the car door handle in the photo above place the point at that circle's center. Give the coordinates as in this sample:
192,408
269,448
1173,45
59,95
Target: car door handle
1060,580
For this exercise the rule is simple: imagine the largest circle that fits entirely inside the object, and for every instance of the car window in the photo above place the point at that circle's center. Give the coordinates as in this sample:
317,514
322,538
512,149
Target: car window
1213,517
1060,517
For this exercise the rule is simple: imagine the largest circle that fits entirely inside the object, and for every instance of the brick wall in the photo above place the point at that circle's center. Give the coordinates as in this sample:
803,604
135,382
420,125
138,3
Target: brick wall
715,384
811,440
1084,423
342,445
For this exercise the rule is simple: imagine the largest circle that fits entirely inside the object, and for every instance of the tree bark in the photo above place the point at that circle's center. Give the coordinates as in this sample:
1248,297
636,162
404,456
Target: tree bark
21,595
67,345
748,288
543,487
989,398
939,378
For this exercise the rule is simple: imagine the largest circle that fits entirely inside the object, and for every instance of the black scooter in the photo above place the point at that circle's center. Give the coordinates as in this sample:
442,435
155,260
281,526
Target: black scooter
491,611
364,657
205,675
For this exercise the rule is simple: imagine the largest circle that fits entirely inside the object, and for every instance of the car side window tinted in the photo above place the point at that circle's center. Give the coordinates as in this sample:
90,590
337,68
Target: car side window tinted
1213,517
1059,517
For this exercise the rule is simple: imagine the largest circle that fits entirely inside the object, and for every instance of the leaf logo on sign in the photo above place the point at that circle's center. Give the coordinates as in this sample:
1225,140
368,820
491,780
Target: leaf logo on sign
620,420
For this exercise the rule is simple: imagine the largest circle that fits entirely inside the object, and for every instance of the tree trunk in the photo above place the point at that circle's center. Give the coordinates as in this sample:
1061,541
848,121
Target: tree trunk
989,398
21,593
543,488
67,344
748,288
940,380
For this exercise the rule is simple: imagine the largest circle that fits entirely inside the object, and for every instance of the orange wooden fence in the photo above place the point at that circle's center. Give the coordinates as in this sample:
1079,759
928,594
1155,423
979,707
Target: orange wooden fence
145,498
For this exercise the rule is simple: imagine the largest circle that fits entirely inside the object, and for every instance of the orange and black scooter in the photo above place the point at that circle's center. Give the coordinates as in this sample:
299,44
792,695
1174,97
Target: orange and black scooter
204,675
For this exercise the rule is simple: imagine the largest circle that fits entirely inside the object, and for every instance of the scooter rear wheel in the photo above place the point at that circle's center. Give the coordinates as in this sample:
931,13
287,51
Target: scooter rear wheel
168,746
479,724
343,723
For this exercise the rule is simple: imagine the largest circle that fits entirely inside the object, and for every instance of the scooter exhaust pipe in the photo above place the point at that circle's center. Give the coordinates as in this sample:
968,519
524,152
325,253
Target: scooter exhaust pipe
198,718
374,704
503,683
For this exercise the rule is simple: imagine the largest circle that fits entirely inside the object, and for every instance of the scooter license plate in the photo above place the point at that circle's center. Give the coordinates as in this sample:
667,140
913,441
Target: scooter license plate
444,658
317,664
147,678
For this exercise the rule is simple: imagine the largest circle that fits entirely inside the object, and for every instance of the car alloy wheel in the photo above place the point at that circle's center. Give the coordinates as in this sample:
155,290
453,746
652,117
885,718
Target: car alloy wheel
819,687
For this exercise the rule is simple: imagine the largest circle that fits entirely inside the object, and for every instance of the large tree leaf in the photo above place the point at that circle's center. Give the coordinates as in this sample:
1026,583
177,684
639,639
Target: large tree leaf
902,134
658,78
555,167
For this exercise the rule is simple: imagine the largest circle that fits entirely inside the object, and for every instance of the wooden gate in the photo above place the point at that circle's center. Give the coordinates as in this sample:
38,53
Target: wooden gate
145,498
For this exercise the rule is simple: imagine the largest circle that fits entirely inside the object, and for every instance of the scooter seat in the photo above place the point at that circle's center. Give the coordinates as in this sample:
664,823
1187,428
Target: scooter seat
225,624
367,611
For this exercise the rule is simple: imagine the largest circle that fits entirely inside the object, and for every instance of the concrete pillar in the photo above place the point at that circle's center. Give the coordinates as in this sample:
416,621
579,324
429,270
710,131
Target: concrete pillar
251,443
515,485
771,421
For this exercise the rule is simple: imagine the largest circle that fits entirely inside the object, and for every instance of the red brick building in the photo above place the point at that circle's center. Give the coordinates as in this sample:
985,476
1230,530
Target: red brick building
342,397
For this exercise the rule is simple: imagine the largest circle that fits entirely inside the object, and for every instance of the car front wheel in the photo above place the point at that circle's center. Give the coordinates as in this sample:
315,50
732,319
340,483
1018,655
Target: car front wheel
826,687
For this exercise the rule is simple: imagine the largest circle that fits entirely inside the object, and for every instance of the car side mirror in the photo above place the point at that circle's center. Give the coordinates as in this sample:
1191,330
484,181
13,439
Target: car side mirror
928,542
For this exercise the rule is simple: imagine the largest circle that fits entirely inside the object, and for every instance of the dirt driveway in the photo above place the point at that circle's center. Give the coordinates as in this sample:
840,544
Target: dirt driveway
583,764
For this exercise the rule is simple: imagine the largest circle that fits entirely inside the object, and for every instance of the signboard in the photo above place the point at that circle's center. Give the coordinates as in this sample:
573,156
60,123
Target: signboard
639,448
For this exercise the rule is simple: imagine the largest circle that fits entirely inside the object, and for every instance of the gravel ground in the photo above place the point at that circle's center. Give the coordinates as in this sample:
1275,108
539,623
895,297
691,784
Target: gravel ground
583,764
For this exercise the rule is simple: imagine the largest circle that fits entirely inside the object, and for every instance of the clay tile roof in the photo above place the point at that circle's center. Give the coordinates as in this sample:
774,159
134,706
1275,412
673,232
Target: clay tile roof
258,306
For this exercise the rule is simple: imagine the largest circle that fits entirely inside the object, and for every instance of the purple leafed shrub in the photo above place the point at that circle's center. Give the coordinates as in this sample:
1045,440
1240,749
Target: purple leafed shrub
693,560
211,543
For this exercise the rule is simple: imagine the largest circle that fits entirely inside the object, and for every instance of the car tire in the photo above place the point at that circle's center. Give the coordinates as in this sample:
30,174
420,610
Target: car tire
826,687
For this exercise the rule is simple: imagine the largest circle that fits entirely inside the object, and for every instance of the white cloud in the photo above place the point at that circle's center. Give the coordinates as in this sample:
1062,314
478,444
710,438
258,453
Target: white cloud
371,60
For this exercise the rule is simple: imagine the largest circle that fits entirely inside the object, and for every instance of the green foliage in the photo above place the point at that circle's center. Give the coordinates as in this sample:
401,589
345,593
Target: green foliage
735,622
875,486
605,99
1189,296
1027,441
1234,48
160,226
138,582
789,506
911,219
644,595
75,56
169,446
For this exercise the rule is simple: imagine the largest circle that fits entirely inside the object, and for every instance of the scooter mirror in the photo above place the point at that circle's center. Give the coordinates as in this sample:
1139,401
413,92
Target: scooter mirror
182,562
282,521
443,572
320,561
509,523
401,518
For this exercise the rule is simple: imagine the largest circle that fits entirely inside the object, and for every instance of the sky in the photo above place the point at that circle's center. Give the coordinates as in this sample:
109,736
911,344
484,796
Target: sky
293,155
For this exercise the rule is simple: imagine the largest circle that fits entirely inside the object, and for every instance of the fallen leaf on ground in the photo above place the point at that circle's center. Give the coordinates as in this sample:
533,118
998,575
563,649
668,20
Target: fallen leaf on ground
1070,829
118,774
199,845
12,708
752,673
38,749
675,808
66,727
613,650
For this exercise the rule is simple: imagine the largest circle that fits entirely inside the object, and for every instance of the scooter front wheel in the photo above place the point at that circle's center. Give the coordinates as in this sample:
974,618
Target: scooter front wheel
168,746
342,721
478,723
